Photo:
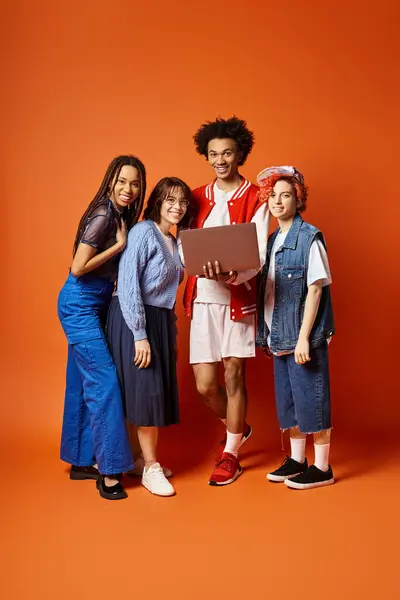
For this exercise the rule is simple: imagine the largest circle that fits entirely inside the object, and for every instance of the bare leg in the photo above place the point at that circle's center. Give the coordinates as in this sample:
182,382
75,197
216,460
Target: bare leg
148,437
296,434
236,393
206,375
134,440
322,437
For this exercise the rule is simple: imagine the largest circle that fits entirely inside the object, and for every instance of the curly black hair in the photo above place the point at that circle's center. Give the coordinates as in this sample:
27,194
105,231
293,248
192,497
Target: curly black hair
233,128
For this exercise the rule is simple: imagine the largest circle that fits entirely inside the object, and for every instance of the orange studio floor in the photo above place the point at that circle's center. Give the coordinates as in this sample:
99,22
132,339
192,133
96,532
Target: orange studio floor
252,539
318,84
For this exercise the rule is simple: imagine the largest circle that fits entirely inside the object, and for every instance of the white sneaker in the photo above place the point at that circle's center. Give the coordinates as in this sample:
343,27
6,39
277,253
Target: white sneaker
138,469
155,481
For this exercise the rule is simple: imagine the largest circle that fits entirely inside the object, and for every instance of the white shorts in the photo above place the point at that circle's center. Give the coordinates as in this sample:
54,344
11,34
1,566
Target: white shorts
214,336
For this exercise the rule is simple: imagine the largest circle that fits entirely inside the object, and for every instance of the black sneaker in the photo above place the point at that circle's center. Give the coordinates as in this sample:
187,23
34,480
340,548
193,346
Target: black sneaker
289,468
313,477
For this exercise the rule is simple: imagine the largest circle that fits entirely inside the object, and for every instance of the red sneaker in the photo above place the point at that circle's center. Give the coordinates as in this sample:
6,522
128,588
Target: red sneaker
247,433
226,470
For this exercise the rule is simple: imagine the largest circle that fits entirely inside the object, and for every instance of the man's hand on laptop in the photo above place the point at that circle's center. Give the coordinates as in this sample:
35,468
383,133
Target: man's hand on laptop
213,271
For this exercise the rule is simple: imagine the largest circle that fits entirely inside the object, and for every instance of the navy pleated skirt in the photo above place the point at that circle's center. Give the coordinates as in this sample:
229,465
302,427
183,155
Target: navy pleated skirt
150,395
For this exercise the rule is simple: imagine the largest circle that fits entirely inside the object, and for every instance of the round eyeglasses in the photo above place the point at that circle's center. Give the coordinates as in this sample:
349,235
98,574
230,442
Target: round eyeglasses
183,203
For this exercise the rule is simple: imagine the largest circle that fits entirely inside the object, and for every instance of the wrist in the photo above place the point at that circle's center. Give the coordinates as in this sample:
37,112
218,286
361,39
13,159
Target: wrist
119,246
139,335
303,337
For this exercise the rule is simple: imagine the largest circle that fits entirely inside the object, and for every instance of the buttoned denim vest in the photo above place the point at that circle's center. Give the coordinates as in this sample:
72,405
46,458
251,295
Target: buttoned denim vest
291,265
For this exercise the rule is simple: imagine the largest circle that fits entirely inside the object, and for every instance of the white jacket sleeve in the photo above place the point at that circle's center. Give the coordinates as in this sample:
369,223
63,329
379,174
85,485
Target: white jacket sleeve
180,249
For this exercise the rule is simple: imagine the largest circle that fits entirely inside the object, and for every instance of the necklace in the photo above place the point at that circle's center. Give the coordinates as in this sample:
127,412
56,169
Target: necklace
117,208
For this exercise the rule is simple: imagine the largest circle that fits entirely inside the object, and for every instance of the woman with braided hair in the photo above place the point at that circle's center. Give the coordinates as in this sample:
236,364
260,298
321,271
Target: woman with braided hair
93,430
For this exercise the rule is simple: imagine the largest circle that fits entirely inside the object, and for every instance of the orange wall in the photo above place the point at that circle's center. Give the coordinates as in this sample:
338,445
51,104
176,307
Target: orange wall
316,81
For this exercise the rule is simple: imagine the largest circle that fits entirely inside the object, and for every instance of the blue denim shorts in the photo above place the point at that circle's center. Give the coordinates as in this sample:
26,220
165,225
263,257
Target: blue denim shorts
302,392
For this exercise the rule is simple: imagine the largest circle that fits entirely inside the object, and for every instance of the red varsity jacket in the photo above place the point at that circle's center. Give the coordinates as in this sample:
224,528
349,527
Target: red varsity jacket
242,207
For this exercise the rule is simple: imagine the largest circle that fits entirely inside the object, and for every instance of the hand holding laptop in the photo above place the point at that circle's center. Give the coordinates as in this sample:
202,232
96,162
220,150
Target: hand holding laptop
219,252
211,271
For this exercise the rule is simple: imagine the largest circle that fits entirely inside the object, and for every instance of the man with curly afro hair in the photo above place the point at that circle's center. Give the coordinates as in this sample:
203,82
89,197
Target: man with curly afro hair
222,305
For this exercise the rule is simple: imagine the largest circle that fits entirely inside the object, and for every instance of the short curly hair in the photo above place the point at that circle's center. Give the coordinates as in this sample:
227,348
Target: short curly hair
233,128
301,191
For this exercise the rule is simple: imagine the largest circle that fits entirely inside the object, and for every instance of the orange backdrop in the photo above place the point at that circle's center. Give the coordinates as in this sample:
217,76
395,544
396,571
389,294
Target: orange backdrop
318,83
89,80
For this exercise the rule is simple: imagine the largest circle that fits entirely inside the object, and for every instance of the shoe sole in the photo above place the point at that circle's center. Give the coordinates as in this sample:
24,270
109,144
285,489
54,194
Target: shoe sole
280,478
168,495
82,476
307,486
112,496
220,483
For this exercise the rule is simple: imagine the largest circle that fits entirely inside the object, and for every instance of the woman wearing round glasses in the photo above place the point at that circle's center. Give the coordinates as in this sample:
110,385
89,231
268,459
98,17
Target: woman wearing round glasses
141,323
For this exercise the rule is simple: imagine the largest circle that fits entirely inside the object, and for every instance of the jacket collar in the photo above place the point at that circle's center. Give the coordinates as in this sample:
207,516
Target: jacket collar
293,233
240,191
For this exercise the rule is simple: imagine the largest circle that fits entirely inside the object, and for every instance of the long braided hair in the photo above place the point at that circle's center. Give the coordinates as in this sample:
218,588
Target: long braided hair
131,213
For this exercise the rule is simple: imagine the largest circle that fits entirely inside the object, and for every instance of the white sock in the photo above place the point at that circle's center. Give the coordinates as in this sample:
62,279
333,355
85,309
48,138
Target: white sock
298,449
322,456
224,421
233,442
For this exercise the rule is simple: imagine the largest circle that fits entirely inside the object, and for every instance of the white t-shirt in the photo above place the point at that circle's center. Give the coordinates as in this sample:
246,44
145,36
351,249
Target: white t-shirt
208,290
318,268
168,240
217,292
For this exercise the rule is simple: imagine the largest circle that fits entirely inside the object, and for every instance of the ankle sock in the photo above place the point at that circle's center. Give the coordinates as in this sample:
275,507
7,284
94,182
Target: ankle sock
322,456
298,449
233,442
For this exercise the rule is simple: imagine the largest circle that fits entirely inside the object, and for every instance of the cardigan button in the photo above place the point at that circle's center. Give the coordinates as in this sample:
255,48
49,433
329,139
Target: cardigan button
233,317
211,203
233,222
231,203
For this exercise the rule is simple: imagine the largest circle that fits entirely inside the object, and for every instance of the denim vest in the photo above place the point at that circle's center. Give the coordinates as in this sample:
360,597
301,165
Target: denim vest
291,265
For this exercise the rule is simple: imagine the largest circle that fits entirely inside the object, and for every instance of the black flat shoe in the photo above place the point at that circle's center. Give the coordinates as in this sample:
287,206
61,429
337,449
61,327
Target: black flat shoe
79,473
112,492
